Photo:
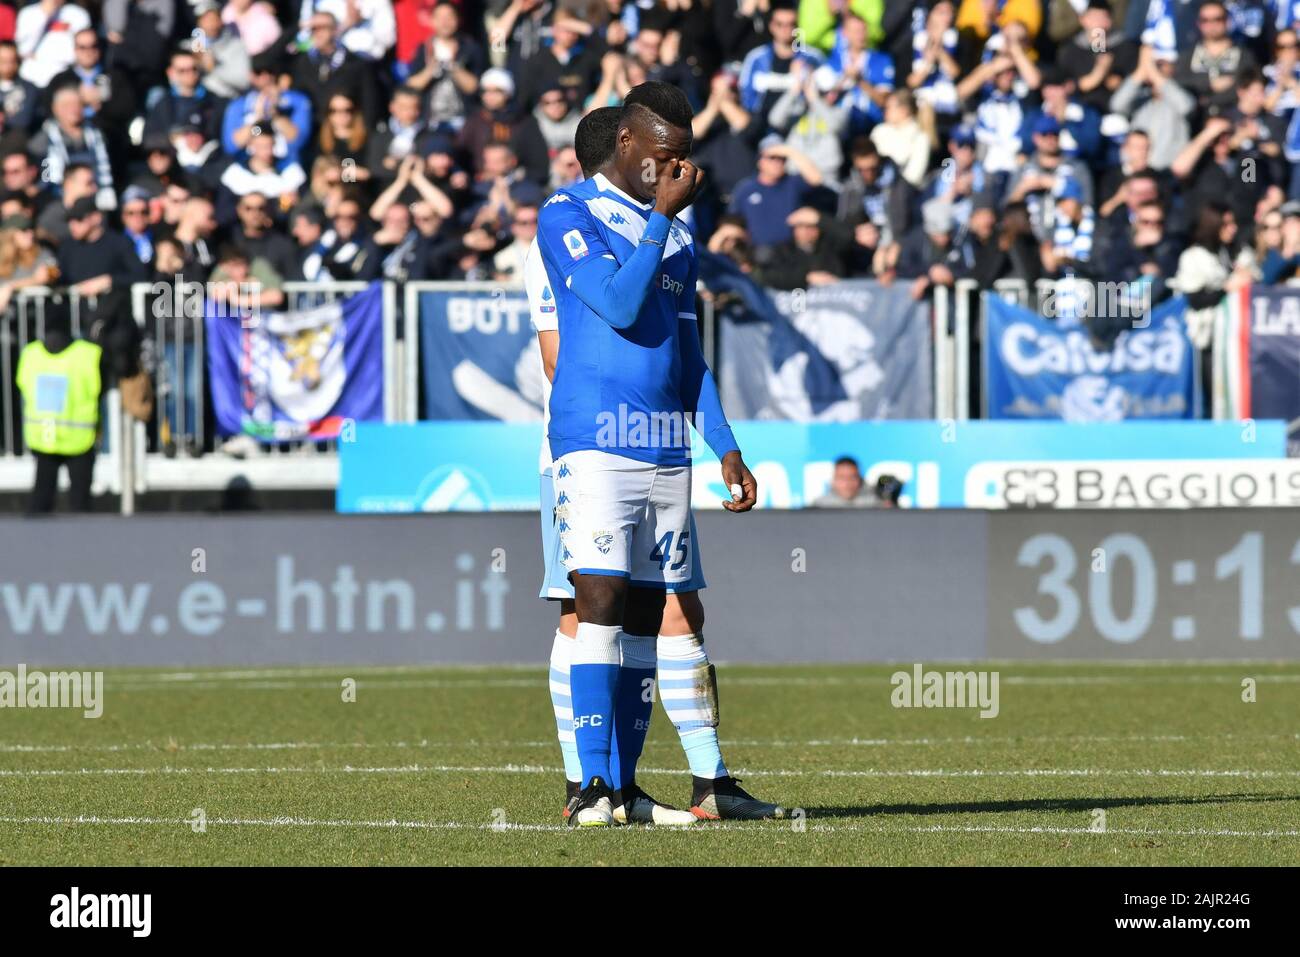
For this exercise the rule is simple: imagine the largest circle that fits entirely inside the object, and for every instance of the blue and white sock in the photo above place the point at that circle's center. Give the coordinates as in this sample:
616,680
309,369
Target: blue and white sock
562,703
634,701
683,688
593,675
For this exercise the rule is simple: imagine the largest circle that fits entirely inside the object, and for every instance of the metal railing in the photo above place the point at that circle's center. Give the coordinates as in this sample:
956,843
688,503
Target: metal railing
133,455
1015,291
177,378
134,459
411,331
20,324
945,354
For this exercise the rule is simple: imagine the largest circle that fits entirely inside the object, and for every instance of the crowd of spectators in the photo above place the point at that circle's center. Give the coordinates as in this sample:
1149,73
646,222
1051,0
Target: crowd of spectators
1146,141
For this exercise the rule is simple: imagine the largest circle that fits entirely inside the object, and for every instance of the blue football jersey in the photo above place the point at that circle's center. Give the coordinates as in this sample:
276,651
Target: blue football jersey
632,390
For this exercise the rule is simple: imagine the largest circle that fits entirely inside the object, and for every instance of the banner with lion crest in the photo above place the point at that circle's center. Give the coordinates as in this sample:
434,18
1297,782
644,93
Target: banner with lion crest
288,376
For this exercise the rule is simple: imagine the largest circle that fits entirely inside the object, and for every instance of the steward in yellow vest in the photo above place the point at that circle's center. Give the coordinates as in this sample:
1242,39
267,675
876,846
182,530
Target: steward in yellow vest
59,379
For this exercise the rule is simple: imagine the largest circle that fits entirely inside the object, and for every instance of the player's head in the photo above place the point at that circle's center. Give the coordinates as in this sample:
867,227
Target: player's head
594,140
653,130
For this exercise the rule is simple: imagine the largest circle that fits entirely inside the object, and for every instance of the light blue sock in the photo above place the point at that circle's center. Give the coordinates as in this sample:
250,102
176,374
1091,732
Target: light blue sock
593,674
703,754
562,703
634,701
684,690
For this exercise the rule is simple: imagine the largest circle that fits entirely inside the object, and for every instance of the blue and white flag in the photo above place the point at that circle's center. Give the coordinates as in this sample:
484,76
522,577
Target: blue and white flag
479,356
298,375
838,353
1266,388
1038,369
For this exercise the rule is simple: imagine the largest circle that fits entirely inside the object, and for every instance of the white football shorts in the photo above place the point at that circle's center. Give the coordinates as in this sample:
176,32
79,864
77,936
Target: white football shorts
622,517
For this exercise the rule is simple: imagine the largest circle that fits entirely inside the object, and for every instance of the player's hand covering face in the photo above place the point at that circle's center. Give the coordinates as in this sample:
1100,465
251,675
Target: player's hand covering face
651,151
676,187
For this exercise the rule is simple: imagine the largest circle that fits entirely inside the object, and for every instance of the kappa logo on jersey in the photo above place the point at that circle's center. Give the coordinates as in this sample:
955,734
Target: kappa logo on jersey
604,541
563,473
617,219
576,245
556,198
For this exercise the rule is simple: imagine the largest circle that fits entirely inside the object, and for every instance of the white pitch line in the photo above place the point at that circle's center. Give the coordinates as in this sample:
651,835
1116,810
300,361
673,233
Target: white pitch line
1009,829
1244,670
1207,666
368,684
747,772
201,682
282,822
177,747
713,826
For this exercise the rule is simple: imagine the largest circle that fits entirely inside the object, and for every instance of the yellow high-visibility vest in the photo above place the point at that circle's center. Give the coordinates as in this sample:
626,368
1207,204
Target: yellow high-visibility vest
60,397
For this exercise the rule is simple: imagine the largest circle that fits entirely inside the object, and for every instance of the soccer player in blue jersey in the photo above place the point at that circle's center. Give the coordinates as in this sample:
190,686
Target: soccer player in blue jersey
679,635
629,380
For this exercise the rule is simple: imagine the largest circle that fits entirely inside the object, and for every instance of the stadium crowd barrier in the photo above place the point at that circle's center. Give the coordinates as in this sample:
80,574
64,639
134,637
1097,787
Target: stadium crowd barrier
955,321
21,323
411,293
295,465
133,460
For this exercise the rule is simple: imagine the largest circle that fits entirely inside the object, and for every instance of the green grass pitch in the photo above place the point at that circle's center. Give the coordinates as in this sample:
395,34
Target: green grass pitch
459,766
